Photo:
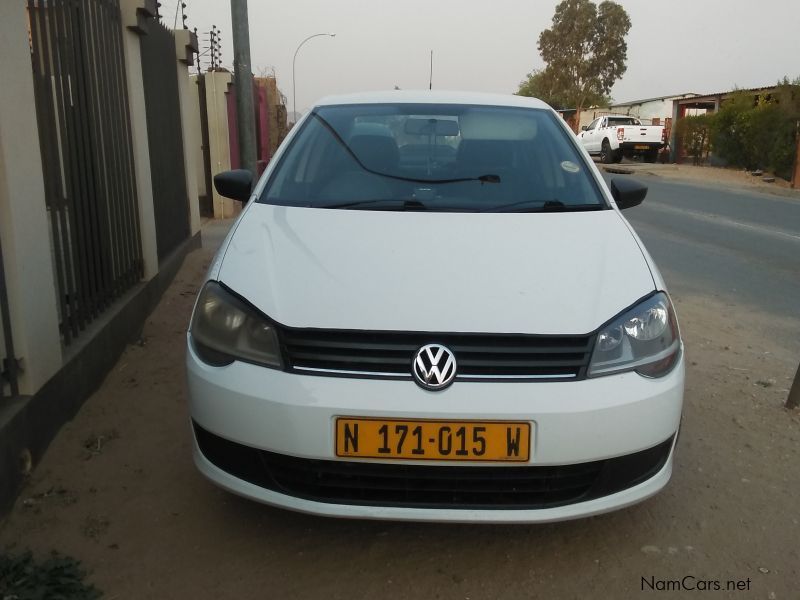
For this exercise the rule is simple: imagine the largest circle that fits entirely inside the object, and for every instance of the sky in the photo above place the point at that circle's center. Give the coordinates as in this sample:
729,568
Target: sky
674,46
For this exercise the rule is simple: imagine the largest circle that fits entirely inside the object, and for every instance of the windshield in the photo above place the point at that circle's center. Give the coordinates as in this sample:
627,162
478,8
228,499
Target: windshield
433,157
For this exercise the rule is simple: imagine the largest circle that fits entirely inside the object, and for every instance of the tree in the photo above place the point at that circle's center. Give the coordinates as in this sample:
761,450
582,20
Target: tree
544,85
584,52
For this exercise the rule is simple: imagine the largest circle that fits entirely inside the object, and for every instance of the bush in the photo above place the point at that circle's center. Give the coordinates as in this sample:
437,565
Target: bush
694,133
756,135
57,577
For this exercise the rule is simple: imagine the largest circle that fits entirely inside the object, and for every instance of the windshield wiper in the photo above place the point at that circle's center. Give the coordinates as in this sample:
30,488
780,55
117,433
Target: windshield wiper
547,206
488,178
379,204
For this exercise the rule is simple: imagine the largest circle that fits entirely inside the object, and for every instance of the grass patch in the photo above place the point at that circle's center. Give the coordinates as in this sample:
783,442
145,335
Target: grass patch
54,578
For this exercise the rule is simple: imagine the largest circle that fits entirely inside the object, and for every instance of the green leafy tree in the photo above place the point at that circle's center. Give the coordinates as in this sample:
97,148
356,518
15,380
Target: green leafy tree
585,53
544,85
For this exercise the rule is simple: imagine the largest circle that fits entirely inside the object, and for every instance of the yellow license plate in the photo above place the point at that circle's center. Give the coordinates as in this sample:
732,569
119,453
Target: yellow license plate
642,147
433,440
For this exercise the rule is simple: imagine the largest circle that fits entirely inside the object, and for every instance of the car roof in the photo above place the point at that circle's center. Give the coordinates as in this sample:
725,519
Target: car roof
433,97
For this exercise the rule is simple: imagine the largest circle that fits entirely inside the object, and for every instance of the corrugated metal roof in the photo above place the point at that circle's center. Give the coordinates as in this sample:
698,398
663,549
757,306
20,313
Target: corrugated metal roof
670,97
727,92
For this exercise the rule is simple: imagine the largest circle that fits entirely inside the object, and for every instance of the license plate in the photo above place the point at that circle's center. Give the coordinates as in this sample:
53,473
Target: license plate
640,147
433,440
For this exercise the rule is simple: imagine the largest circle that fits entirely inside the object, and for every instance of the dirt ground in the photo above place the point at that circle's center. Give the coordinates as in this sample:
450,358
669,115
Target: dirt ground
117,490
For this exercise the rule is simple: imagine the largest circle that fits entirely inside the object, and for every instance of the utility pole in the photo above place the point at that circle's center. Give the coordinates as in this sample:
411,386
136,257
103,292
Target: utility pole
796,173
243,83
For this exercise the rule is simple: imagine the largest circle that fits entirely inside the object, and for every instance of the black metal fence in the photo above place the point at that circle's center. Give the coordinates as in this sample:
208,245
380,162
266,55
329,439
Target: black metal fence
8,361
162,103
85,140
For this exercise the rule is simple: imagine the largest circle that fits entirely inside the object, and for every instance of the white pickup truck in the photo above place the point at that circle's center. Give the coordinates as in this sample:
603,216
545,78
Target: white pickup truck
615,136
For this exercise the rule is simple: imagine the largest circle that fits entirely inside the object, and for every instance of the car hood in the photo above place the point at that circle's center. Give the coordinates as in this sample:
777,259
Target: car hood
540,273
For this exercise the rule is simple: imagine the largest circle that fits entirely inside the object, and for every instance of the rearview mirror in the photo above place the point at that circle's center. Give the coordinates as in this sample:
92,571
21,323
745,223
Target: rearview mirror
627,193
431,127
236,184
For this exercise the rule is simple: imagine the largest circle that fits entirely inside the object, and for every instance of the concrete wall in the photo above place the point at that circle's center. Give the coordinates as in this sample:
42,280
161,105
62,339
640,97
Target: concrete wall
276,110
55,380
646,111
659,108
191,134
219,137
24,223
141,151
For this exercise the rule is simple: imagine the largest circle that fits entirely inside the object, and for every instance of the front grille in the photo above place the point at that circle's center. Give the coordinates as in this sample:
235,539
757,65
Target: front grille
424,486
479,356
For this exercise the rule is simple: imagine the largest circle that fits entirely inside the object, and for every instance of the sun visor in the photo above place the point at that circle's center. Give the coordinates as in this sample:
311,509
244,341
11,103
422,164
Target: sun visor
496,125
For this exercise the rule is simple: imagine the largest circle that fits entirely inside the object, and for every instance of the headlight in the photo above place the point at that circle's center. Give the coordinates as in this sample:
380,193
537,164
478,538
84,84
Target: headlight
224,329
644,339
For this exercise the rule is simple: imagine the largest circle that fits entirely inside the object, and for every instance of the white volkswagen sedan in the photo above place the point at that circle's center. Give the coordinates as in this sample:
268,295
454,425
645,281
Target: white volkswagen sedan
431,308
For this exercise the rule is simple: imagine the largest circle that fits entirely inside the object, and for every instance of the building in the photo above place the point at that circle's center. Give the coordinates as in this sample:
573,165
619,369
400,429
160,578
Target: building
700,104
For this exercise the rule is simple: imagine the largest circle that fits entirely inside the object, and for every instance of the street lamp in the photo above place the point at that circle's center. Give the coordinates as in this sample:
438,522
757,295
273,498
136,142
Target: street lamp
294,88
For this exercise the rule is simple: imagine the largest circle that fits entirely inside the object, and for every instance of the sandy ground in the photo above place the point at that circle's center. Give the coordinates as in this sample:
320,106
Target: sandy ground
117,490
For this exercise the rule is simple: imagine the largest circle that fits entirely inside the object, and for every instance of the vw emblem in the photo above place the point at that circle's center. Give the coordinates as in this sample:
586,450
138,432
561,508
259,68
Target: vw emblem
434,367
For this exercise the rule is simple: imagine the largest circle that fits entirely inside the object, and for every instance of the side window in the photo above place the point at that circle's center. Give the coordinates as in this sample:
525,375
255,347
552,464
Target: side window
592,125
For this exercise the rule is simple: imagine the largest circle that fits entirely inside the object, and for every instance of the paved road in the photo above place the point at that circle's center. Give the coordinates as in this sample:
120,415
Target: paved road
741,246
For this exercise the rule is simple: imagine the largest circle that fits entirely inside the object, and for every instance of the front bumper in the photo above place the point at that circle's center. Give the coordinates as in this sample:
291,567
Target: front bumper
573,423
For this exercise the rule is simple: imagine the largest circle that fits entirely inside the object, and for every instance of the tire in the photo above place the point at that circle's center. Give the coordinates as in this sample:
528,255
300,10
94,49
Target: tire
651,156
606,154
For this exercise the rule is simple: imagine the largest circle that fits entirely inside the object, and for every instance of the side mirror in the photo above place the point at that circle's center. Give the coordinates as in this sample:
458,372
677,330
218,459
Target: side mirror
236,184
627,192
585,128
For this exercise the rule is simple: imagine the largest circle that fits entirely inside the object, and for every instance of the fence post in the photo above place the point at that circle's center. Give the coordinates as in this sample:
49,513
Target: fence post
135,14
186,48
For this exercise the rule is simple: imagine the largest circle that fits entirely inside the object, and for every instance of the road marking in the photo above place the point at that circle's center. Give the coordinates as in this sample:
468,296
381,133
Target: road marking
710,217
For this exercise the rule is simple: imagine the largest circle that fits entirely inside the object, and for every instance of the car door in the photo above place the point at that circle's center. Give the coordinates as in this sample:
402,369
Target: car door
597,134
587,136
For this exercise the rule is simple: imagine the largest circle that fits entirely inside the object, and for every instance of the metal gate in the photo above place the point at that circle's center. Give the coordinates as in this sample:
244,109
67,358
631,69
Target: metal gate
85,141
162,102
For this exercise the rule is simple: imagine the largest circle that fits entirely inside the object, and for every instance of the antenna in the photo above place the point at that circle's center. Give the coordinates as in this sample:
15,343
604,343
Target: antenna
430,85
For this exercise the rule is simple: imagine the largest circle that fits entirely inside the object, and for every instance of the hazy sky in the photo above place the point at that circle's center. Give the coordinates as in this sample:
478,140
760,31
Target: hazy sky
674,46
